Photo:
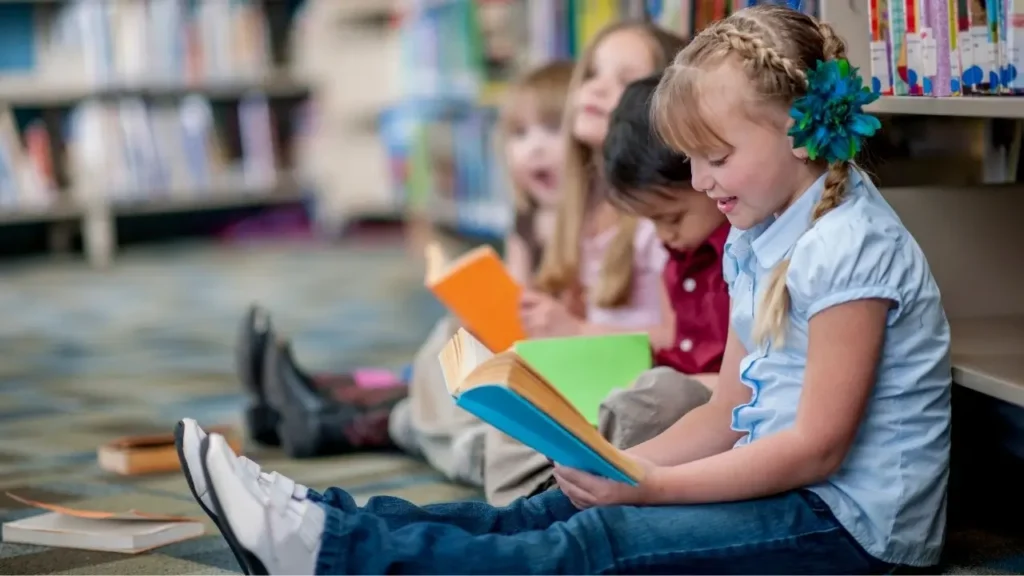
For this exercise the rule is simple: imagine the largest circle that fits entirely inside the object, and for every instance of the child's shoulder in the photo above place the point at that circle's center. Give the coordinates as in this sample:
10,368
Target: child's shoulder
859,247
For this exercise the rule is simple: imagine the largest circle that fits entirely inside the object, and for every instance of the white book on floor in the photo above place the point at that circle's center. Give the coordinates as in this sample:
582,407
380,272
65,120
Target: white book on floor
109,535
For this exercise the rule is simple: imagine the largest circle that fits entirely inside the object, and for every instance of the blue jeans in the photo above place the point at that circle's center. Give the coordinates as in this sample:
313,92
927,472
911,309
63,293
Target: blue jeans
793,533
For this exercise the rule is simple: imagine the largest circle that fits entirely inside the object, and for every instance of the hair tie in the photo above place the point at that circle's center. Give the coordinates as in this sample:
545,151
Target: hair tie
829,121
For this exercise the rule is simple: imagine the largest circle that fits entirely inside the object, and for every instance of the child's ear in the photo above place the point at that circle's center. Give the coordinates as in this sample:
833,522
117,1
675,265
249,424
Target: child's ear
800,153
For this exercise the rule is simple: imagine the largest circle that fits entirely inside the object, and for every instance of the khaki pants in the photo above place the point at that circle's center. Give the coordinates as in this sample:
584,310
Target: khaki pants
429,424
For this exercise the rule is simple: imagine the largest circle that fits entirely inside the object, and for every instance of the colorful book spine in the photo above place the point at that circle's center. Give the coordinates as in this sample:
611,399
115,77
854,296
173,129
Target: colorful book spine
1014,45
914,42
942,24
898,40
970,71
997,31
881,62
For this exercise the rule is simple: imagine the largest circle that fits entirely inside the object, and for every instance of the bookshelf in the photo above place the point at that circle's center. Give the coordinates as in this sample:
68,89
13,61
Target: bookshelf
971,234
112,109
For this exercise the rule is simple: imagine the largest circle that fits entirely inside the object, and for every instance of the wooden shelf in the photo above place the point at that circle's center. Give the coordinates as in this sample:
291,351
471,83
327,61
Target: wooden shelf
56,213
961,106
988,356
30,91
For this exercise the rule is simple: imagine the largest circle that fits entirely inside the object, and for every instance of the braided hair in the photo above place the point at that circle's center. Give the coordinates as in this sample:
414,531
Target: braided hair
775,47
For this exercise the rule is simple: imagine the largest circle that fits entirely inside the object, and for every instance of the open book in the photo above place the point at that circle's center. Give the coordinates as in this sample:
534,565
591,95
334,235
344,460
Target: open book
507,393
477,289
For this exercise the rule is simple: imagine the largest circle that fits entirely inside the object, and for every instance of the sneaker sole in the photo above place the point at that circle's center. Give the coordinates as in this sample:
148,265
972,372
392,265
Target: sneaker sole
179,446
247,560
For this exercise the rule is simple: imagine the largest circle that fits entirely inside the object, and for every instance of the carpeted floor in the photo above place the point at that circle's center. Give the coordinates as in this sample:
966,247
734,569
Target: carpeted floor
89,356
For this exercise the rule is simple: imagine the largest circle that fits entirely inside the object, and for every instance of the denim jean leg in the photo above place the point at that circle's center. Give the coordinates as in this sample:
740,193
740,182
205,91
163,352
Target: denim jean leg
473,517
788,534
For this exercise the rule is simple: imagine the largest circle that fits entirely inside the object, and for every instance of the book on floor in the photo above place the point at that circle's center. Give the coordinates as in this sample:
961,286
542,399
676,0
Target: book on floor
478,290
507,392
128,532
146,454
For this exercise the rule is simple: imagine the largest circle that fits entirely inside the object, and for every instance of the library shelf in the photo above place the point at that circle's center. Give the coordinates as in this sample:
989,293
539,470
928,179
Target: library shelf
28,91
961,106
988,356
58,212
215,198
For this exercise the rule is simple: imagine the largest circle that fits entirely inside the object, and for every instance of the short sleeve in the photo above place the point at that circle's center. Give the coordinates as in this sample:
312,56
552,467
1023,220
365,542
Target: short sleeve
845,261
649,252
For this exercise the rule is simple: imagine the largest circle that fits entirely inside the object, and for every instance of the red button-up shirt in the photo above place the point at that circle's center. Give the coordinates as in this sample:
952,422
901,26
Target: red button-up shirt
700,301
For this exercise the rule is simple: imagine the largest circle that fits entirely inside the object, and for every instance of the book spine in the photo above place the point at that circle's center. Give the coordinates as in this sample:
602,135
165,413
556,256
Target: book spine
881,64
1015,45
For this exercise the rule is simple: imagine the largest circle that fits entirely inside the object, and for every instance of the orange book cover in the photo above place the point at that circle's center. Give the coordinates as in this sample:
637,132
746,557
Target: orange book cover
479,291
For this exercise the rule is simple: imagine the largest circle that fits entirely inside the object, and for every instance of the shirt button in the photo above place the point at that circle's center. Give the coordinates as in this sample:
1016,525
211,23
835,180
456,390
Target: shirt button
689,284
686,345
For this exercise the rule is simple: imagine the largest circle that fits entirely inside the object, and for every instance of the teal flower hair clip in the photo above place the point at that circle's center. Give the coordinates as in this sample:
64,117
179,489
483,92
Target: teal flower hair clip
829,120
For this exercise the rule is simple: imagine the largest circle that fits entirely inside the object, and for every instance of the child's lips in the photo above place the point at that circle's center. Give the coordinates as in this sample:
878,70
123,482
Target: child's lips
726,204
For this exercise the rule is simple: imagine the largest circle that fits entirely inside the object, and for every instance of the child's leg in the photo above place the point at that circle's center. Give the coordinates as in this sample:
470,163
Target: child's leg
428,423
793,533
789,534
474,517
511,469
657,400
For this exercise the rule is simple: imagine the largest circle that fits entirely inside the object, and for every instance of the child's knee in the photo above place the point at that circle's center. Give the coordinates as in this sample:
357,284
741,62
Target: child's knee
658,399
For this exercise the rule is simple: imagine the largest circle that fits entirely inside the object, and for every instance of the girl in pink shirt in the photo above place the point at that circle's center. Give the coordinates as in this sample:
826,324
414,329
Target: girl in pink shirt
601,269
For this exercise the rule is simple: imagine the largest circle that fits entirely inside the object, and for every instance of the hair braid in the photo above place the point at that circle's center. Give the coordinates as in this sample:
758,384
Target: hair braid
753,49
770,323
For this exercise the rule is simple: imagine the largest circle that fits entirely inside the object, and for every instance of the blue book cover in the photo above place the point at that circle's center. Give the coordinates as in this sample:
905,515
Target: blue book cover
507,393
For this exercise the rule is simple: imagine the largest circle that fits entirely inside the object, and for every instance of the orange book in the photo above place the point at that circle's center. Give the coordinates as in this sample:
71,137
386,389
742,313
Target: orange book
479,291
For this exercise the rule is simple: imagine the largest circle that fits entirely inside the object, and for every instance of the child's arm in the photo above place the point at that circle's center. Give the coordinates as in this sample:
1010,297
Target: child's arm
517,259
705,430
845,343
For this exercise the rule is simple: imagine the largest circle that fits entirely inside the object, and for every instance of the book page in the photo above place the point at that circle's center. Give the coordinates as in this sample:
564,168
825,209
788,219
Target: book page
460,356
101,515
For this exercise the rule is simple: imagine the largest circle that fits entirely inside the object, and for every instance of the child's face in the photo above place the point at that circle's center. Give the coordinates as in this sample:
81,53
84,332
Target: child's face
534,151
683,217
757,173
620,58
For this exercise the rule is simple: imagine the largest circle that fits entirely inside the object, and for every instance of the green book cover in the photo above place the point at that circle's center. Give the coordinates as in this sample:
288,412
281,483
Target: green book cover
585,369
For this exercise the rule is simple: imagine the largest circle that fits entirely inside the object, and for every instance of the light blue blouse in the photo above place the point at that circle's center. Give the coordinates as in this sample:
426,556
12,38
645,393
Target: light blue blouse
890,492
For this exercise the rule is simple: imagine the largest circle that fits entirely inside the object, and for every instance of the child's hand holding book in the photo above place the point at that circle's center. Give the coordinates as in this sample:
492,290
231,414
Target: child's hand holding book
545,317
586,490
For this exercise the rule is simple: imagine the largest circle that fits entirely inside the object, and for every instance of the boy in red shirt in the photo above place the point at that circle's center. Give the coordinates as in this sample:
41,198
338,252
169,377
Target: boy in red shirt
648,179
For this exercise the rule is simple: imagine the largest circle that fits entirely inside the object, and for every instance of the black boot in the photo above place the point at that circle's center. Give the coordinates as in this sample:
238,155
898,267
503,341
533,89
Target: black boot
316,422
254,336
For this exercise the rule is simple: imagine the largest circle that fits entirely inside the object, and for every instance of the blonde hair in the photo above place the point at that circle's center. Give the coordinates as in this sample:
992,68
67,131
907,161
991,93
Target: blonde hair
559,269
775,47
543,91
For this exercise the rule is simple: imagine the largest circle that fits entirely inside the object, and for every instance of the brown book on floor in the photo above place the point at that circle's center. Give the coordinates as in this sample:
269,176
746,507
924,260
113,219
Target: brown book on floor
133,455
128,532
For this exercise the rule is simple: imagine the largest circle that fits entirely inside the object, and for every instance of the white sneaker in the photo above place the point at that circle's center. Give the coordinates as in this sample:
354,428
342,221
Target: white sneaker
188,436
272,533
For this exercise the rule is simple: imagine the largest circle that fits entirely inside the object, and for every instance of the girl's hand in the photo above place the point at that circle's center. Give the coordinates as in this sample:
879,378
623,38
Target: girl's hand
585,490
544,317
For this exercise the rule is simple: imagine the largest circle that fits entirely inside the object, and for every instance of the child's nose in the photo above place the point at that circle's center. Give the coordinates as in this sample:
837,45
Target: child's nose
701,178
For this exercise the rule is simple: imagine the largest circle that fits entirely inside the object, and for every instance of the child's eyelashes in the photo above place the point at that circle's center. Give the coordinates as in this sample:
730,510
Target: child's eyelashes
717,162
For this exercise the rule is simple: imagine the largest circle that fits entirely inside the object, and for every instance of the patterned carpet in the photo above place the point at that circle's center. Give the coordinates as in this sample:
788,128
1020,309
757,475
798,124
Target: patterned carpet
89,356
